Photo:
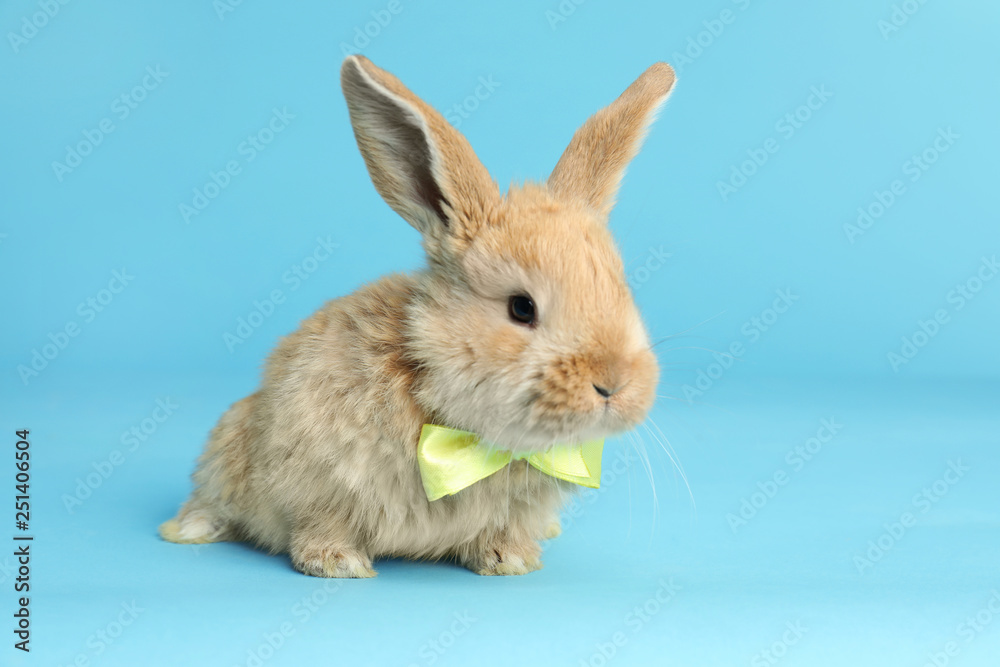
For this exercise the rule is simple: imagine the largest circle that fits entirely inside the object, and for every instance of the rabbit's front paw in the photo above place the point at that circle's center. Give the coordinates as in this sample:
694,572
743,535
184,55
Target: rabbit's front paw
333,562
508,559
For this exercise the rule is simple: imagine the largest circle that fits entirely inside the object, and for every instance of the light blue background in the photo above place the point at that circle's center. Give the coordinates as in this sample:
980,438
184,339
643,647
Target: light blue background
826,357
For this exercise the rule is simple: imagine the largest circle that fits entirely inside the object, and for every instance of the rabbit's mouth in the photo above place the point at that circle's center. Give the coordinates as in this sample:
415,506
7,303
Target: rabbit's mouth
565,409
580,396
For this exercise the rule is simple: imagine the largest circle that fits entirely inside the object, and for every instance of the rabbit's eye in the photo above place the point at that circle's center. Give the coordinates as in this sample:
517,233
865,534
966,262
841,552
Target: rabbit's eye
521,309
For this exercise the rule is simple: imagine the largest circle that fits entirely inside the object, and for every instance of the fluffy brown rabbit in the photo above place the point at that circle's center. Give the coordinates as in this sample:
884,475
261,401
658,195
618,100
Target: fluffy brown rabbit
521,329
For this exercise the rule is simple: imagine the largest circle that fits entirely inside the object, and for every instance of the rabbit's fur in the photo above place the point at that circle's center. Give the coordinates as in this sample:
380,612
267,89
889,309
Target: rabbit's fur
321,461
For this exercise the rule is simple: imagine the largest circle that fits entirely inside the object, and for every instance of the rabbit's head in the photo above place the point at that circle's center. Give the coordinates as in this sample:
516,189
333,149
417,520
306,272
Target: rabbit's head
524,329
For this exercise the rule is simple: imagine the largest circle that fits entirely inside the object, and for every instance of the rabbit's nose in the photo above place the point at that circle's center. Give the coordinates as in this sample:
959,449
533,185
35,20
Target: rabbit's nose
605,392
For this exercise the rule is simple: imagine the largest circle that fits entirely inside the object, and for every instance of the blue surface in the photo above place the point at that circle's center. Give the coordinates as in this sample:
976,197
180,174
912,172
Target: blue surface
887,327
733,590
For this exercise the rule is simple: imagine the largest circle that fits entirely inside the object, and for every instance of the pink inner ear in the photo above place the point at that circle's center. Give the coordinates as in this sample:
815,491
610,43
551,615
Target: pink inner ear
393,144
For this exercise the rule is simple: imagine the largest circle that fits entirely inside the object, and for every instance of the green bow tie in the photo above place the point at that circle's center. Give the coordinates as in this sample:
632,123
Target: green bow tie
450,460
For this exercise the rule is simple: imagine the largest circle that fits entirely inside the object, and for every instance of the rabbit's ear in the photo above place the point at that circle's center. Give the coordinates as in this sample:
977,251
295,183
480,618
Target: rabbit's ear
592,167
421,165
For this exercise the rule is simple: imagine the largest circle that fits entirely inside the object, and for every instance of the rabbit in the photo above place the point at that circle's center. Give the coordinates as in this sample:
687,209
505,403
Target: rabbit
521,329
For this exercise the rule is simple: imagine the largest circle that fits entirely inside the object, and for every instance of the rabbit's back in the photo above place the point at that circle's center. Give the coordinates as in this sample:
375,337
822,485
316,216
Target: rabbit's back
334,415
